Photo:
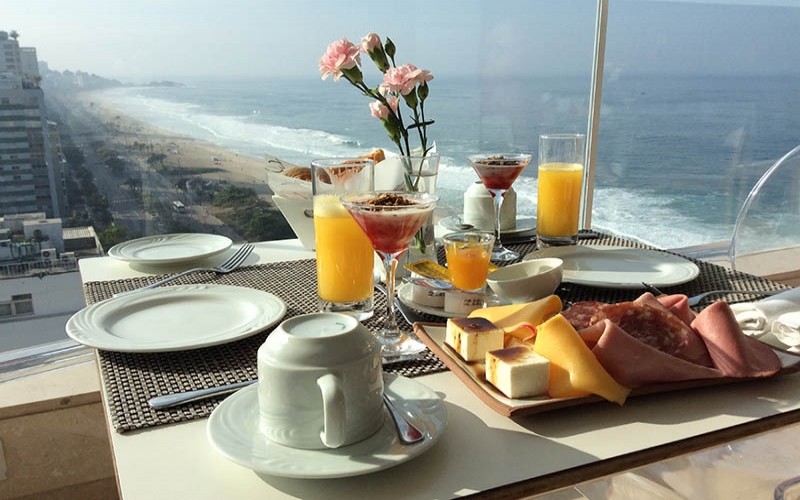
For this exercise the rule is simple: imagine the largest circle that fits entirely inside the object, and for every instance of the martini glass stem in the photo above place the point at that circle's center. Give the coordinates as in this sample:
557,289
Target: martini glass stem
499,252
497,197
391,333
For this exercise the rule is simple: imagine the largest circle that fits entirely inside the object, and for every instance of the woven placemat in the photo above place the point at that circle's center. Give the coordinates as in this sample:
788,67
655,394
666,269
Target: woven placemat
131,379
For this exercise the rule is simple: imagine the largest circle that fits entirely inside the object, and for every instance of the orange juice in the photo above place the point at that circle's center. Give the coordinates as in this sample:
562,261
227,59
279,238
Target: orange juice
559,201
468,266
344,253
468,254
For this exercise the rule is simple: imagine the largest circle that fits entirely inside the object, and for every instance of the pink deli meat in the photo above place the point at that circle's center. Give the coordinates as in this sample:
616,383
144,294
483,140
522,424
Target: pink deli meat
656,340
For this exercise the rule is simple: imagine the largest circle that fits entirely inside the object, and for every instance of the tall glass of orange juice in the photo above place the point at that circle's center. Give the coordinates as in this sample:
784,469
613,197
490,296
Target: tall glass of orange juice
468,254
345,258
558,210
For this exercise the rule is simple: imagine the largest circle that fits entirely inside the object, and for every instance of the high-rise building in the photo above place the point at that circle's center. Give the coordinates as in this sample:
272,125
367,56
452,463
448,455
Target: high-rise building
29,173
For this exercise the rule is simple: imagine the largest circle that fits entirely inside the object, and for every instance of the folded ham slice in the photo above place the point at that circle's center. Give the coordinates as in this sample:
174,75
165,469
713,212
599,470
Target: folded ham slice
734,353
656,340
633,363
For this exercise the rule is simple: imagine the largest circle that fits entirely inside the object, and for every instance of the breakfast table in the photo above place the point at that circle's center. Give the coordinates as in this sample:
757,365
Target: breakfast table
479,454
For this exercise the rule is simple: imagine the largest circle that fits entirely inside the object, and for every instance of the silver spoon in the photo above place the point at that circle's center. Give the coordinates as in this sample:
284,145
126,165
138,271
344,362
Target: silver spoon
405,429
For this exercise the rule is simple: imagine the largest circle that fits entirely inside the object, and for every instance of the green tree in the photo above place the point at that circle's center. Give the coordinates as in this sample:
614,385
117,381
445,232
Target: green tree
112,235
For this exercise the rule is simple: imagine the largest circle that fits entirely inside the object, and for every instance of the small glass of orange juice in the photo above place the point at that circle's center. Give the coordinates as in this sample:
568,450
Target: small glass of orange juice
468,255
558,207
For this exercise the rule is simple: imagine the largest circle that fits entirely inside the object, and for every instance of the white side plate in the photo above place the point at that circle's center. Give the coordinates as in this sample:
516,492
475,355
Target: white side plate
233,431
619,267
405,294
170,248
175,318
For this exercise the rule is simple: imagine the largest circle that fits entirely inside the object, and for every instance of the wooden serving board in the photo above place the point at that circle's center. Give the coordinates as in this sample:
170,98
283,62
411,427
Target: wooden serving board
473,375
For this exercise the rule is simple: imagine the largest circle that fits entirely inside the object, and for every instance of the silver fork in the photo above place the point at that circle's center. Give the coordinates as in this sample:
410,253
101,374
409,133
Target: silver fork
696,299
229,265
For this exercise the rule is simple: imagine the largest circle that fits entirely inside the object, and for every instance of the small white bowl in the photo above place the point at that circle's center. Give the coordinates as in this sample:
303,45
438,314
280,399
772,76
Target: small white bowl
527,281
298,213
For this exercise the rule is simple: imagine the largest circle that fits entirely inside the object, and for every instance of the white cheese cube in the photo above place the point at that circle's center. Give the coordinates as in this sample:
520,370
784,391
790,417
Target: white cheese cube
472,338
518,372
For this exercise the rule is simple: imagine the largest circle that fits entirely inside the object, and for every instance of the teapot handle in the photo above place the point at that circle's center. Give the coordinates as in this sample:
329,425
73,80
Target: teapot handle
333,408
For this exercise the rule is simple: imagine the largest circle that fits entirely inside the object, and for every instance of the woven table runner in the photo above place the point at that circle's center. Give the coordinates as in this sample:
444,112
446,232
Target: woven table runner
711,277
131,379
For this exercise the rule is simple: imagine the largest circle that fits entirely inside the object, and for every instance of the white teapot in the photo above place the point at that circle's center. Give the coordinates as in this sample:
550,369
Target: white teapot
320,382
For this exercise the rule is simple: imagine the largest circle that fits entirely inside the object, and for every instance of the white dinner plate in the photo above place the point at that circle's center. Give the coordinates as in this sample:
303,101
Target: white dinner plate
233,431
170,248
405,294
619,267
175,318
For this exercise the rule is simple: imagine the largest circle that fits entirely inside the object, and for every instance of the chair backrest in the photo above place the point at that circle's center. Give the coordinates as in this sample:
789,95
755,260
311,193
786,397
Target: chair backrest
766,235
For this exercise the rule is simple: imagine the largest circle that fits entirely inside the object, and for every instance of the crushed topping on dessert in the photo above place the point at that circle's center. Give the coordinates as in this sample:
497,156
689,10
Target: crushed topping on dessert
390,200
499,160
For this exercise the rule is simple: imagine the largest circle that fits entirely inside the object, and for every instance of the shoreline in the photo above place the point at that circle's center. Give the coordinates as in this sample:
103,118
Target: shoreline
197,157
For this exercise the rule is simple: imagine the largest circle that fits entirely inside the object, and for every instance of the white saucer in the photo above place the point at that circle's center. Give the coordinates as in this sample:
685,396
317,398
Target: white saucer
233,431
523,224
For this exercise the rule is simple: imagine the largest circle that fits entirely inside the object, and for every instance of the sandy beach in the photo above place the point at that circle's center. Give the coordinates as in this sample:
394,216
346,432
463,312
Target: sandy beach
172,168
181,152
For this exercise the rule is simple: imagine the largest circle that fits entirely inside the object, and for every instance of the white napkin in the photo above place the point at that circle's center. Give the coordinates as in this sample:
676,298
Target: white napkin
778,314
787,328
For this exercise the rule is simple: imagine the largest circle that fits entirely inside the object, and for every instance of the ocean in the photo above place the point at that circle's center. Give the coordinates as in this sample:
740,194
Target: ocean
677,155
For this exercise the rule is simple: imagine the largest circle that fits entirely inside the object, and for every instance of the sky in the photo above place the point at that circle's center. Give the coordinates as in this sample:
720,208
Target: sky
143,40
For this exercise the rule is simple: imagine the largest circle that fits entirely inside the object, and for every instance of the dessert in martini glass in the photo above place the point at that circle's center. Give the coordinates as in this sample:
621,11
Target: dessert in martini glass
390,219
498,172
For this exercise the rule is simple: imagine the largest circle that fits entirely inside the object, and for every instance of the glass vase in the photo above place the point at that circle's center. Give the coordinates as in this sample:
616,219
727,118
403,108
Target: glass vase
419,175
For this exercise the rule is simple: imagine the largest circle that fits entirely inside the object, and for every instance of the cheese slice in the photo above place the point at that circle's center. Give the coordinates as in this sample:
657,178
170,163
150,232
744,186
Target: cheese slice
516,319
518,372
574,371
472,338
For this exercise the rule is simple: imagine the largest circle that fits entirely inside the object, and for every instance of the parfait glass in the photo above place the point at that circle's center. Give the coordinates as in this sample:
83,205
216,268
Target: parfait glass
390,219
498,172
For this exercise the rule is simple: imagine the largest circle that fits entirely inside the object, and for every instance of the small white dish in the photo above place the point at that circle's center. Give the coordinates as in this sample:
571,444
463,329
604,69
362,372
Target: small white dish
170,248
526,281
175,318
233,431
619,267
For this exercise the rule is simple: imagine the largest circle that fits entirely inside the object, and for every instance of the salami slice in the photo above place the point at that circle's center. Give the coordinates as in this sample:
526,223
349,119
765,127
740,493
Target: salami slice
656,327
580,314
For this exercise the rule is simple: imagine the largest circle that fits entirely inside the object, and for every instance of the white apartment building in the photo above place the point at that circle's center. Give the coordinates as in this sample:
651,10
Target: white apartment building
30,177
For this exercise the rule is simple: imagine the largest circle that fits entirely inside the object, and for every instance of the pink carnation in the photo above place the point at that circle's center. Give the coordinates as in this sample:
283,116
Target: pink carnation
401,79
378,110
341,54
393,102
370,42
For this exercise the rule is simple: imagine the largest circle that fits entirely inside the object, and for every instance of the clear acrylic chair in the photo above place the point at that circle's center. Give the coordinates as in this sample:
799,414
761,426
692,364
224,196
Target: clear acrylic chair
766,236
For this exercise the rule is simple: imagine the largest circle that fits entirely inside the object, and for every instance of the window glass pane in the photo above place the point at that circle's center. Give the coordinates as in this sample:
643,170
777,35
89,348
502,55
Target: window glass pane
699,99
168,131
23,307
